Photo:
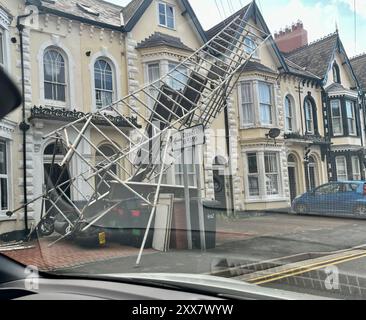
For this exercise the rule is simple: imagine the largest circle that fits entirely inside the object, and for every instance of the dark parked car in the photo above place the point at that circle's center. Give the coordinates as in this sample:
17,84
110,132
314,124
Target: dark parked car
334,198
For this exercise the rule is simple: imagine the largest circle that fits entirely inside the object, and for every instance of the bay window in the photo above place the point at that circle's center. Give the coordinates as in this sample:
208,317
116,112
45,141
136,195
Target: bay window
263,175
341,164
351,117
255,96
265,103
337,122
356,170
247,103
272,174
153,74
253,174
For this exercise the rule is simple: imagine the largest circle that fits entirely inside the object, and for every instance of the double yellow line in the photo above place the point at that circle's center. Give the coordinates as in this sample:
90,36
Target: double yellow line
302,268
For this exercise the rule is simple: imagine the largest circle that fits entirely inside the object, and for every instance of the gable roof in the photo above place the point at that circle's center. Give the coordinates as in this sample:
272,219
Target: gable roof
161,39
250,11
359,66
136,8
217,28
316,56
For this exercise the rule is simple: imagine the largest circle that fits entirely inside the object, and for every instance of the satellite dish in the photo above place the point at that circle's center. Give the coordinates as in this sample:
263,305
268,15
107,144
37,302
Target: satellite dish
274,133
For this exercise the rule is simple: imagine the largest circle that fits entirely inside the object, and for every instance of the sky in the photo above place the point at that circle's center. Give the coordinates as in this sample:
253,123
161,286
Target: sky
320,17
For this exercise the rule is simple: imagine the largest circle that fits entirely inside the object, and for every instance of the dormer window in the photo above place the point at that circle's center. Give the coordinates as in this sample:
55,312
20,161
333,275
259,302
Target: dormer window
166,15
336,73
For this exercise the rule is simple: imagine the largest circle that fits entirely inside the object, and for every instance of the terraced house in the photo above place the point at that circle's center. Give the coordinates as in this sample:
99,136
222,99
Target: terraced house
78,57
293,121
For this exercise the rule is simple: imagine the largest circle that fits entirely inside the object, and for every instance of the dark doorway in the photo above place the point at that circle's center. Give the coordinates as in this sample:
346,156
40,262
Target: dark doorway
220,189
292,176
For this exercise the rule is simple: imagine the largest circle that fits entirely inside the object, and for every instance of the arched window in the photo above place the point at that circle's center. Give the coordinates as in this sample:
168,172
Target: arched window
289,114
103,82
336,73
54,75
310,116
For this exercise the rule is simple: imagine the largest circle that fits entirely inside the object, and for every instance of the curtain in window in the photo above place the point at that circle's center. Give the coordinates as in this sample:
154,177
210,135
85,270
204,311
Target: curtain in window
271,168
265,101
103,77
253,174
336,117
351,118
153,70
54,76
247,103
289,114
356,170
309,117
341,163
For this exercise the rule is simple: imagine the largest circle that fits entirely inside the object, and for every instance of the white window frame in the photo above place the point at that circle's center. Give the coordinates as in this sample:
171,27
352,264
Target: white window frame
4,27
271,105
345,174
248,49
307,104
356,168
252,103
152,92
353,119
6,176
113,91
256,105
66,85
292,116
340,117
166,18
254,175
264,195
117,83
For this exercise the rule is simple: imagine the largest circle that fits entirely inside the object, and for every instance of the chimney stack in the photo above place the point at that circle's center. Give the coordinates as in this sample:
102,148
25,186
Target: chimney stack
292,37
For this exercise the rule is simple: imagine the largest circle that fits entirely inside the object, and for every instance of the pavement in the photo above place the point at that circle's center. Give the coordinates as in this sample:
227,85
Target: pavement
246,244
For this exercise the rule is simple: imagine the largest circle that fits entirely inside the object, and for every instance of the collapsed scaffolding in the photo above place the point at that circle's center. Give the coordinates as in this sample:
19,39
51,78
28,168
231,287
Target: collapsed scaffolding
192,94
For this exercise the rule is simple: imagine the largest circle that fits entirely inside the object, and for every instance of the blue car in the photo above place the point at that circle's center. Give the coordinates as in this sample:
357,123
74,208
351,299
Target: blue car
334,198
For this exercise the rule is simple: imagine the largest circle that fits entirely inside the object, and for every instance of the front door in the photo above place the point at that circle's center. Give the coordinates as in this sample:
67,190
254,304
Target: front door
220,189
55,176
292,182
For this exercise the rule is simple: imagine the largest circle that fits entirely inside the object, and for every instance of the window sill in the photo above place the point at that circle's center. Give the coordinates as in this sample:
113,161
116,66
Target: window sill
266,199
166,27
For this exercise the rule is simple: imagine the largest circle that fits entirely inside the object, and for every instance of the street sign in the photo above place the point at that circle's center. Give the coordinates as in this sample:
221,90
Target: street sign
188,138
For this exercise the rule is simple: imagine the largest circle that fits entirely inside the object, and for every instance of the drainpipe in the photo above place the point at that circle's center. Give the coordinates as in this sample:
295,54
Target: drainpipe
227,136
24,126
